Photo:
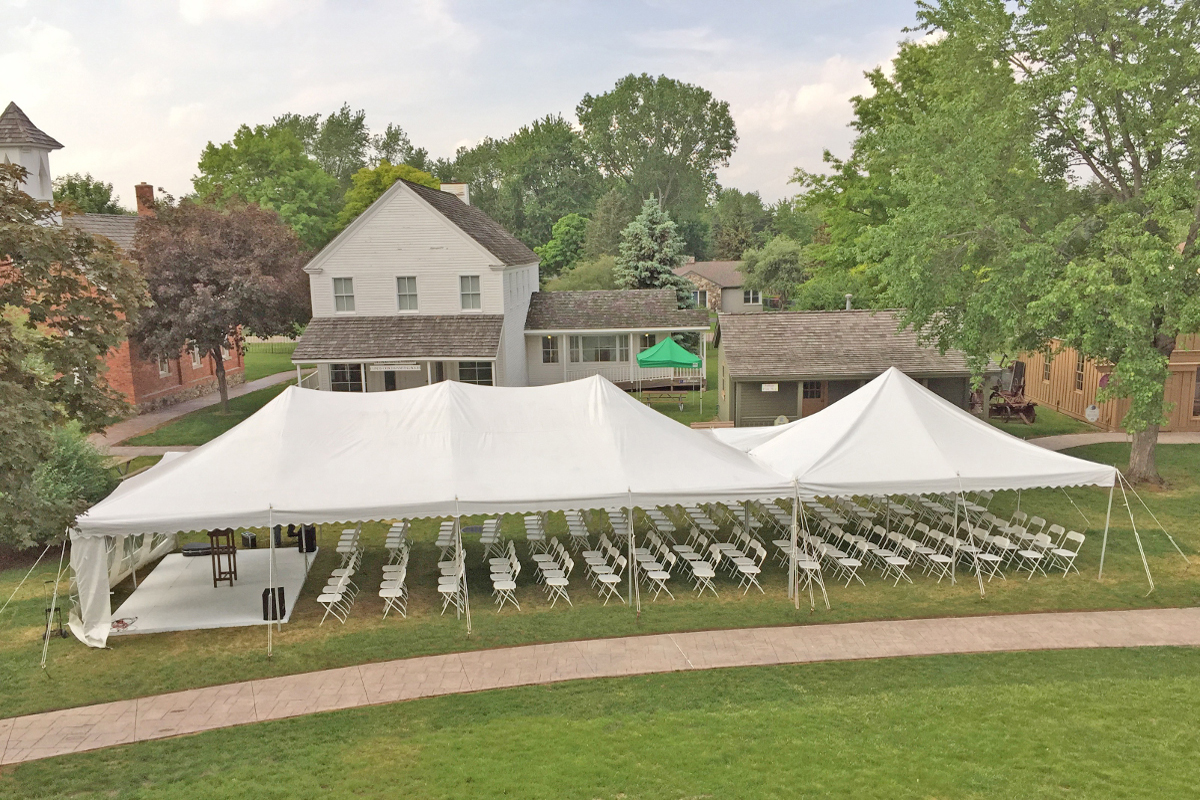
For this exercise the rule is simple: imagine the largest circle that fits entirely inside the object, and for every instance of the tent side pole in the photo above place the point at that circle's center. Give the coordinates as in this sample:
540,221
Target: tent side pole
793,583
1107,520
272,603
1136,537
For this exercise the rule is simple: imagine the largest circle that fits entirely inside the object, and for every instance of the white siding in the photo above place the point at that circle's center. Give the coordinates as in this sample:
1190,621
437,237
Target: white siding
542,374
519,285
403,237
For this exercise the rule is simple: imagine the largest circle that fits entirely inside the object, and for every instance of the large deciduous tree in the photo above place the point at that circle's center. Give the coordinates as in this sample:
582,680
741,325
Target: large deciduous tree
268,166
1052,189
564,248
64,301
81,193
213,271
739,223
369,183
659,137
651,249
776,268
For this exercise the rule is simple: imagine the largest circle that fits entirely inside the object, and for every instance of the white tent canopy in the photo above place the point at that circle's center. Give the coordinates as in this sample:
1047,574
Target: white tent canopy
894,436
450,449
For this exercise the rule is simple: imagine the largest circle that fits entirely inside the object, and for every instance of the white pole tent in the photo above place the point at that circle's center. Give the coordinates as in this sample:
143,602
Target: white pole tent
446,450
893,436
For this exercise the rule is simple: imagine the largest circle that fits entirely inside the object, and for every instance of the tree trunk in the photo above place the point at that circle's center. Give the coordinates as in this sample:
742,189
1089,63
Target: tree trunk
1142,468
222,385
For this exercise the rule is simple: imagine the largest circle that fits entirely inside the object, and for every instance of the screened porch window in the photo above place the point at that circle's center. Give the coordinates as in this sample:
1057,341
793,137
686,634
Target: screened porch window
477,372
599,349
549,349
346,377
648,340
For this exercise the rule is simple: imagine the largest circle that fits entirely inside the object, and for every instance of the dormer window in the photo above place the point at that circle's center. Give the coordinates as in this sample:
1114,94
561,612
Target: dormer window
343,295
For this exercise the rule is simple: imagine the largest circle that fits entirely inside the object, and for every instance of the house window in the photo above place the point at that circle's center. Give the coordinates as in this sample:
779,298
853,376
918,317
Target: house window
1196,396
549,349
406,294
164,366
343,294
700,298
648,340
751,297
1079,372
476,372
469,288
197,357
593,349
346,377
1046,368
812,390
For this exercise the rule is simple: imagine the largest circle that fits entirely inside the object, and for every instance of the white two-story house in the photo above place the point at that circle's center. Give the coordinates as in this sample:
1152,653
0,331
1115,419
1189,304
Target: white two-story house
424,287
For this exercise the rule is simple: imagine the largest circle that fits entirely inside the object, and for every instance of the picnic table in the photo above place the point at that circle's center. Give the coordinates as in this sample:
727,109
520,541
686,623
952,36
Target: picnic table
650,395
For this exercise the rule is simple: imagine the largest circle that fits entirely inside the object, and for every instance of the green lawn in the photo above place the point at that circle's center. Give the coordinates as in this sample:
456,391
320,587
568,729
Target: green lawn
262,361
148,664
1086,724
208,423
1049,423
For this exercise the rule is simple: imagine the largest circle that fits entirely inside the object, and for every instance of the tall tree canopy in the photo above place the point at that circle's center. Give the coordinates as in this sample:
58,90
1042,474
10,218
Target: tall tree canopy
529,180
369,183
64,301
340,143
651,249
213,271
659,137
565,246
269,166
739,223
81,193
1051,188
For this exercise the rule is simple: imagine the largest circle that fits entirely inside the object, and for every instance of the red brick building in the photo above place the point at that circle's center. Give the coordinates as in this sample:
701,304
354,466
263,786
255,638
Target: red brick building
152,383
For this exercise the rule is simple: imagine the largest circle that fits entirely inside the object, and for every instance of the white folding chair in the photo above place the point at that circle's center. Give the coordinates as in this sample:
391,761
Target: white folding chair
1064,556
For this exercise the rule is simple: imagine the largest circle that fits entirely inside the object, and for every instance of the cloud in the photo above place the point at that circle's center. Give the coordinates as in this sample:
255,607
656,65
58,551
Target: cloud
200,12
685,40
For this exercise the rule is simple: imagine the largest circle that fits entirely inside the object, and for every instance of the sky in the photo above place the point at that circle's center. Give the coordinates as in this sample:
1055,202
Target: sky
134,90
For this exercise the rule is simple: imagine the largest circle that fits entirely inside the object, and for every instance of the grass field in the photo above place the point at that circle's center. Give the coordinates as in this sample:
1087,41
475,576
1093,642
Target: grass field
1088,724
149,664
262,361
1049,423
208,423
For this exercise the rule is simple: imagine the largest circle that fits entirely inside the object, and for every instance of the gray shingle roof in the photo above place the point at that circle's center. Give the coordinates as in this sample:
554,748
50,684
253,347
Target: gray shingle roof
478,225
120,228
610,309
818,345
15,128
415,336
726,274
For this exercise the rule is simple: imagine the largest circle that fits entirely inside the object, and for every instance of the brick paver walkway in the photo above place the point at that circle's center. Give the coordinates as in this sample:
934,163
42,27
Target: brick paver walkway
92,727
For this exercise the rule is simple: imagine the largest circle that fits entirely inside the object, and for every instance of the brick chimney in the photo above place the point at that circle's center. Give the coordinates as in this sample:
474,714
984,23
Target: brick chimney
145,199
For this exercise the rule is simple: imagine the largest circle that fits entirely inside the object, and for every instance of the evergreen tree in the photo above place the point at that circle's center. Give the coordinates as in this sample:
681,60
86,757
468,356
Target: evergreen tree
651,249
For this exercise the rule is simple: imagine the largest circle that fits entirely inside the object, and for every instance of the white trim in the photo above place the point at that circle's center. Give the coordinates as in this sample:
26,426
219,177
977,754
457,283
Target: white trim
589,331
391,359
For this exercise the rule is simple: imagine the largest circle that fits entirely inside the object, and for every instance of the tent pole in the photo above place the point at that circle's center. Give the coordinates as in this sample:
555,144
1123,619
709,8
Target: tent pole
299,378
1107,519
954,533
53,604
793,583
462,561
271,602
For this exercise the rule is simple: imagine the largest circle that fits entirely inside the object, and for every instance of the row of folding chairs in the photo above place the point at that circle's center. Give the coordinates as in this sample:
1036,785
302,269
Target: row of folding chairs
535,533
393,588
491,539
654,564
396,541
605,565
446,542
340,590
554,570
452,584
505,568
577,530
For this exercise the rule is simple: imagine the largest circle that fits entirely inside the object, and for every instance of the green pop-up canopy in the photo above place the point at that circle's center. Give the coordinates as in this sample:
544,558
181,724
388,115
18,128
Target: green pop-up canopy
667,353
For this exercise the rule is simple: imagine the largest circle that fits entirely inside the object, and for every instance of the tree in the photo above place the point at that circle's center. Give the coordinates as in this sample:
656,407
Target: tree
64,301
81,193
340,143
777,268
739,223
586,275
1053,189
650,251
369,184
268,166
564,248
211,273
394,146
659,137
614,211
531,179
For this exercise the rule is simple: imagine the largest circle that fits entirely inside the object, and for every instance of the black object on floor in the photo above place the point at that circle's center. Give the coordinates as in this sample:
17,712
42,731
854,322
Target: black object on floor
278,604
196,549
249,540
308,539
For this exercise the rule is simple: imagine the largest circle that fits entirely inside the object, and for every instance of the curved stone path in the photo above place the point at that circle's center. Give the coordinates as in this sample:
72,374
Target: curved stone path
92,727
